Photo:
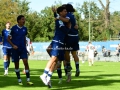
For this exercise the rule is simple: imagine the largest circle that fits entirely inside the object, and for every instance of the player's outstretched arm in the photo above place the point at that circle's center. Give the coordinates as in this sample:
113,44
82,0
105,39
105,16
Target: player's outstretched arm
63,19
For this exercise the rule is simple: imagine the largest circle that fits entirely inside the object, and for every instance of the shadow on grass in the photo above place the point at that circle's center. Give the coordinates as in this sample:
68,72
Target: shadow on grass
79,82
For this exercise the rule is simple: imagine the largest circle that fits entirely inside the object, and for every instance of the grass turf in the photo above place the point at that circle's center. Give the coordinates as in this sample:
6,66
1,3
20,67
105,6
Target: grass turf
101,76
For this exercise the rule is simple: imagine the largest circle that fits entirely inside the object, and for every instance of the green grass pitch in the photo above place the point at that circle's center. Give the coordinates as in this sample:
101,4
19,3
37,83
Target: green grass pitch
101,76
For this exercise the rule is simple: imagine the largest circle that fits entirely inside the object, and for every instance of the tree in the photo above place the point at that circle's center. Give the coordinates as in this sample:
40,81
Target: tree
106,12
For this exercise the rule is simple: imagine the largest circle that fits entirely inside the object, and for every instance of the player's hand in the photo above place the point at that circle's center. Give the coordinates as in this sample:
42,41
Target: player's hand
76,26
1,43
53,9
15,47
28,54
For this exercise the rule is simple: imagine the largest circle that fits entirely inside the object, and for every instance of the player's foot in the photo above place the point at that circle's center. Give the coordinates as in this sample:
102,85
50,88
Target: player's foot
20,83
29,83
68,77
44,79
77,73
60,81
5,73
49,84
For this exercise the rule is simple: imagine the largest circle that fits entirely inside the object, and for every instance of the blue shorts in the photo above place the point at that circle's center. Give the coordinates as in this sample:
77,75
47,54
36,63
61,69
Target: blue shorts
72,43
18,54
57,50
7,51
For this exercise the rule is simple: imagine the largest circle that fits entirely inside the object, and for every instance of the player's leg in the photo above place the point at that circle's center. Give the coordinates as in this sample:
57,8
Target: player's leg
5,65
65,67
51,70
48,70
6,60
76,59
49,48
59,72
75,48
67,59
24,57
15,59
9,56
89,60
27,71
92,61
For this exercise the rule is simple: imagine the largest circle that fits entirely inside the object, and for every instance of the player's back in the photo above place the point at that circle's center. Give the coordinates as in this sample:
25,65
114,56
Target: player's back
18,35
73,31
5,34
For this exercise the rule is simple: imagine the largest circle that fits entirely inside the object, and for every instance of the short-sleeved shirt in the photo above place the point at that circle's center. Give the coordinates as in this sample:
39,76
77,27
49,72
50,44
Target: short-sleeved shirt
5,34
19,36
60,31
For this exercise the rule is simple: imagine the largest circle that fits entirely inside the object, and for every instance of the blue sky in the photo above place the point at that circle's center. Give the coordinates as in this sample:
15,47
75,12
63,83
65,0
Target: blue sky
38,5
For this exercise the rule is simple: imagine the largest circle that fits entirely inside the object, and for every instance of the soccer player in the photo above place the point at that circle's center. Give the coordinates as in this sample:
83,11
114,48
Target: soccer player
72,42
28,45
19,51
90,49
6,48
57,46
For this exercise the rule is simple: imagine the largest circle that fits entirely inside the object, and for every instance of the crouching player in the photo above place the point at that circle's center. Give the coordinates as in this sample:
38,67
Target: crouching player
57,47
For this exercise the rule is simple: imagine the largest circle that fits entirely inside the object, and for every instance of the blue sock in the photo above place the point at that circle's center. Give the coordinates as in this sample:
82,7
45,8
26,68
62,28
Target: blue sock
77,66
17,73
49,75
45,73
5,65
59,72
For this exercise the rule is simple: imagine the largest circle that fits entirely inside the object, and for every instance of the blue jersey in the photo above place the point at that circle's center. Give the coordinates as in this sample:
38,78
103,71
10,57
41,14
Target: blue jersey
60,31
5,34
19,36
73,31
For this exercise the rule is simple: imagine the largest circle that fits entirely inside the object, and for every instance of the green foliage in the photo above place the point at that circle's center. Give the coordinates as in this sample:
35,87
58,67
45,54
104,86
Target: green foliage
41,25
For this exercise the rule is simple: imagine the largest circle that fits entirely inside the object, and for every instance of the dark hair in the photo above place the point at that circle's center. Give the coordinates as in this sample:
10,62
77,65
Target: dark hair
60,9
70,8
19,17
64,5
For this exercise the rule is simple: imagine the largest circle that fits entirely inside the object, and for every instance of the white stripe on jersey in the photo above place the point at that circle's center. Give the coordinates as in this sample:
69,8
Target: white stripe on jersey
58,41
72,35
7,47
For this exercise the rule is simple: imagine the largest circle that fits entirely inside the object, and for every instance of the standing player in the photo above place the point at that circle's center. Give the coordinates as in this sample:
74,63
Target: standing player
57,47
19,51
28,49
90,49
6,48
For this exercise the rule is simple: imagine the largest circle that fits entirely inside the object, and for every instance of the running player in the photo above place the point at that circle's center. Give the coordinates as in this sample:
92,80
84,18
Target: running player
19,51
57,46
6,48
